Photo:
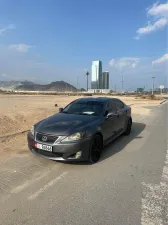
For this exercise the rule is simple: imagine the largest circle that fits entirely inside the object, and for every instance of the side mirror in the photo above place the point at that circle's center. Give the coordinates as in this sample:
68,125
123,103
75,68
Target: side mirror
60,110
111,114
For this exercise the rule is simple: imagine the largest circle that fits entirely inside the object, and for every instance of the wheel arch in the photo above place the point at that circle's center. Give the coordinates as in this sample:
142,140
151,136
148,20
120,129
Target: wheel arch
130,118
100,134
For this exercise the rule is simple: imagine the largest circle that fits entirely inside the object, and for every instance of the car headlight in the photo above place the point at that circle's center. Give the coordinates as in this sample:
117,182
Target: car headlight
74,137
32,130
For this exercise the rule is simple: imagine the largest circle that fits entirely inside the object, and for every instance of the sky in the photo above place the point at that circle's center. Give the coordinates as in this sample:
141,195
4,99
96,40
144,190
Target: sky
50,40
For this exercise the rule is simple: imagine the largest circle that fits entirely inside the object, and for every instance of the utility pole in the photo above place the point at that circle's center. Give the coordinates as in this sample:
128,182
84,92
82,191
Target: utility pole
153,78
122,81
115,88
153,84
66,87
77,84
87,74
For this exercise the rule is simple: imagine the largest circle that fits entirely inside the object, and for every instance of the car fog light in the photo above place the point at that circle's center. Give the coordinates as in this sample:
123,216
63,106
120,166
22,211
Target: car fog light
78,155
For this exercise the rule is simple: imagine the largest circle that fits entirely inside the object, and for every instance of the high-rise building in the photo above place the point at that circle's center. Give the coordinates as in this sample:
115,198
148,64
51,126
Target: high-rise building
105,80
96,80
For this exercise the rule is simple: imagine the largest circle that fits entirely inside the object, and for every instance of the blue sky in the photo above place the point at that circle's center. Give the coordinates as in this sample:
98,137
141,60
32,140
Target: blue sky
45,41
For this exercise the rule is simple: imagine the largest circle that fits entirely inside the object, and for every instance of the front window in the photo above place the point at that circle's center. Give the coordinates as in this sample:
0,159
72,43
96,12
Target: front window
111,107
119,103
93,108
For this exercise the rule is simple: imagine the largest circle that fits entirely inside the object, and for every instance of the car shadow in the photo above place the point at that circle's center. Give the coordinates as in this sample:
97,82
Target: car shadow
118,144
121,142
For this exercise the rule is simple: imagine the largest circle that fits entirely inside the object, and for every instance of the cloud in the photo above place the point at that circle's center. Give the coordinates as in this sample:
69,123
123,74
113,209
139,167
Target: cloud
6,28
133,65
159,24
158,10
124,63
161,60
112,62
159,20
19,66
139,76
20,47
3,75
137,38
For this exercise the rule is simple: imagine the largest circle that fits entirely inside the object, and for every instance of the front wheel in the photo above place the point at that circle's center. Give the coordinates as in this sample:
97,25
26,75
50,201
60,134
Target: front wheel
128,128
96,147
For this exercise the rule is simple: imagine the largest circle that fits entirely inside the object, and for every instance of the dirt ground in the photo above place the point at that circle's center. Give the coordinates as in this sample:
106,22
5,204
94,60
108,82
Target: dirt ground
19,112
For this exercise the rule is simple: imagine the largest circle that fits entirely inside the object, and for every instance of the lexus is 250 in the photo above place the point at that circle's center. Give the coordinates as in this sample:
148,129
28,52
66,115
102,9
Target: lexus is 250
80,131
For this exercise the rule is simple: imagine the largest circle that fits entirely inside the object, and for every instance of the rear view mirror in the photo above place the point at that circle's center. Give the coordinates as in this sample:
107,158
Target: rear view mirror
60,110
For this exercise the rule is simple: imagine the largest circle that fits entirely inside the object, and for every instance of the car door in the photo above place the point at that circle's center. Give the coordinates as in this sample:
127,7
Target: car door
122,115
110,125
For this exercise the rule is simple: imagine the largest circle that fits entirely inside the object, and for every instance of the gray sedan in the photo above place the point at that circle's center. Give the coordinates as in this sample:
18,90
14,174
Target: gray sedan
80,131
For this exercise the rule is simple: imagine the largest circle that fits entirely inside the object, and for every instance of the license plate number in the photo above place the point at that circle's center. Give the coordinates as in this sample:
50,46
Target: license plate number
47,148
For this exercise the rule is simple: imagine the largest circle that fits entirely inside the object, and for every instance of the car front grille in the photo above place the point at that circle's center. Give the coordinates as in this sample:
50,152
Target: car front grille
48,154
46,138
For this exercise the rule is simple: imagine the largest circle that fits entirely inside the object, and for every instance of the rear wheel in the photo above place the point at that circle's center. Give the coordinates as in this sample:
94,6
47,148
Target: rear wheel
128,128
96,147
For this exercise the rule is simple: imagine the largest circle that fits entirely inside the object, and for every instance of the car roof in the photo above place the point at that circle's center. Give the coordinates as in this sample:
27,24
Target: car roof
98,99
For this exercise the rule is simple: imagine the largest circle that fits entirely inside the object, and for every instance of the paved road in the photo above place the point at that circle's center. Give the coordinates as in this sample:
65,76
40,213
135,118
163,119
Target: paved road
128,186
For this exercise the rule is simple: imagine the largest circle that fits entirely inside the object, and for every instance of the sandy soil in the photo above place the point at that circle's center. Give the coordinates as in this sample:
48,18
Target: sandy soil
20,112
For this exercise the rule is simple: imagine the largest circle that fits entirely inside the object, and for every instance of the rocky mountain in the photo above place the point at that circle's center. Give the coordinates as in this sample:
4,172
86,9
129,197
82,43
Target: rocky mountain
9,85
13,85
59,86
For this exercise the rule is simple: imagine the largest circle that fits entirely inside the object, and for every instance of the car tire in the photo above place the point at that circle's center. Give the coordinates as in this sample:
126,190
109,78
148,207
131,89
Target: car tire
96,147
128,128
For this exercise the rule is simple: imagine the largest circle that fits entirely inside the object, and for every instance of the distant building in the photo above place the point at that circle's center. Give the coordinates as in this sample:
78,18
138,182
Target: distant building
157,90
96,79
165,90
140,90
104,91
105,80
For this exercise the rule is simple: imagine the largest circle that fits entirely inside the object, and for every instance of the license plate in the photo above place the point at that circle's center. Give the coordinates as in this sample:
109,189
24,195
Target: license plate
47,148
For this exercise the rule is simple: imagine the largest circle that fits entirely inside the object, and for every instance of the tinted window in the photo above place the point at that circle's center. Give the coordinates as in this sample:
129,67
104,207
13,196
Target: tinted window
119,103
111,106
94,108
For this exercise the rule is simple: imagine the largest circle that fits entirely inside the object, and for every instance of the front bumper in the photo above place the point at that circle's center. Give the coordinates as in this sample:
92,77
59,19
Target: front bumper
62,151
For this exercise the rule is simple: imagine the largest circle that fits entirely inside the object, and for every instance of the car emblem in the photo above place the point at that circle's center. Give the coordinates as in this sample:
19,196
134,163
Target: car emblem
44,138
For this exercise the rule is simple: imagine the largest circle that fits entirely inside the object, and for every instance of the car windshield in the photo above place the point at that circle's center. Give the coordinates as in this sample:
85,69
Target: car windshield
93,108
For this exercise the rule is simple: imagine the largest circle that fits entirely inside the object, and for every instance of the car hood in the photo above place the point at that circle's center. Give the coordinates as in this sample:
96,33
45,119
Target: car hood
65,124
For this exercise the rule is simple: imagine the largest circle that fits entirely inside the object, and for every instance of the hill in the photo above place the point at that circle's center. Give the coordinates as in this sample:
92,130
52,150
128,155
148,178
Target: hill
13,85
59,86
9,85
